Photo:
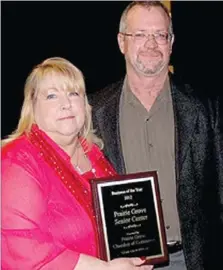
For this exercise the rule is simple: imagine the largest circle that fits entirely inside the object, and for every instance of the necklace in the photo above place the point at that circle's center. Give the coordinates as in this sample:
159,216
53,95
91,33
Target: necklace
79,150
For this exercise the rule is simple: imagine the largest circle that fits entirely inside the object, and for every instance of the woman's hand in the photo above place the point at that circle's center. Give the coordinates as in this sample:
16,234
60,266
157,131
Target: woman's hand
128,264
92,263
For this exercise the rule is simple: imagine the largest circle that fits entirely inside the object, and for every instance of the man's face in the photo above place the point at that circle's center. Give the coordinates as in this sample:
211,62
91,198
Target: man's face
146,56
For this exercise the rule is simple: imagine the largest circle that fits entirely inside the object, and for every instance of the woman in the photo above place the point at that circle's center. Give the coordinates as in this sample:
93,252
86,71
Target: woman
47,216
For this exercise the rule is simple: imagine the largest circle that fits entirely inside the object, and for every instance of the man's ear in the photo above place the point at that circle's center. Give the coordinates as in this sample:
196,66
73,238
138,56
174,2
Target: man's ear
120,38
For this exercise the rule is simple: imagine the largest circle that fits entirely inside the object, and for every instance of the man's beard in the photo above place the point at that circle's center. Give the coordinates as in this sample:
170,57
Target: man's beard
151,70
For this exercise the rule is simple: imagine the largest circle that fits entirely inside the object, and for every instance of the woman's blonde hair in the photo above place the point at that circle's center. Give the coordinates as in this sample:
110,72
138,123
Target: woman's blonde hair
72,79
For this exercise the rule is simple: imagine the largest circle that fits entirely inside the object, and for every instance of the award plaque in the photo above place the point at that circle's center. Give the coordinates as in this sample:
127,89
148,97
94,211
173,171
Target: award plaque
129,217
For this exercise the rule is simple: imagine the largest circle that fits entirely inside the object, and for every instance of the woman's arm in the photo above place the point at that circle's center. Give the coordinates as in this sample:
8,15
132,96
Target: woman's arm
26,240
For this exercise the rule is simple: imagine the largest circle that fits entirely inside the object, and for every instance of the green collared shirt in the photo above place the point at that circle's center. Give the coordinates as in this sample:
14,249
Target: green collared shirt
147,139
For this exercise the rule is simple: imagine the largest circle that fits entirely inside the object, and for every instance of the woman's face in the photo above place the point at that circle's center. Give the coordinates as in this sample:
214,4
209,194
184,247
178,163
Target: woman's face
58,112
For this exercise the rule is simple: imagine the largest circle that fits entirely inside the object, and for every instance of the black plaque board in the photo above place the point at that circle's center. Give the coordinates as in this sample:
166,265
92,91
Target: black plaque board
129,217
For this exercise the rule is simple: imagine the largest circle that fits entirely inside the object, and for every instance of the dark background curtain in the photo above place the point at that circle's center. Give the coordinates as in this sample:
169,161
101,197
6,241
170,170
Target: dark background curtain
85,33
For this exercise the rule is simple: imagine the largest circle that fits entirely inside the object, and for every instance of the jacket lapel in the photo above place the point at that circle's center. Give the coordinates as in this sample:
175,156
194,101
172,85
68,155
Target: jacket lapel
185,117
108,119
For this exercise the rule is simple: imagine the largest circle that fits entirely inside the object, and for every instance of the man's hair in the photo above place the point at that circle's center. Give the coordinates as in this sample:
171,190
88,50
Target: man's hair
147,5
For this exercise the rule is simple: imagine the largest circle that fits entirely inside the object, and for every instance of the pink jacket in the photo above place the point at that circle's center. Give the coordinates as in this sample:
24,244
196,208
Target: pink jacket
43,225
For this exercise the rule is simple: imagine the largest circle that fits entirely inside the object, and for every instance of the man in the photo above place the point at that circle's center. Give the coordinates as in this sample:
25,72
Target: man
150,120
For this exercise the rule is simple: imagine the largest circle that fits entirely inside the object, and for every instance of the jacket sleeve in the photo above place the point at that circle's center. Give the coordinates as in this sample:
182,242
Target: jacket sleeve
219,152
26,241
216,111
